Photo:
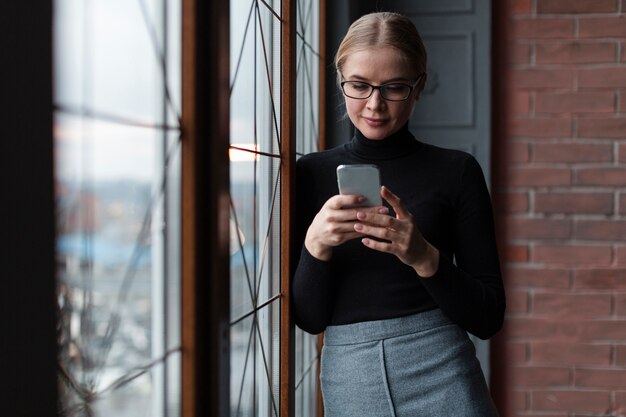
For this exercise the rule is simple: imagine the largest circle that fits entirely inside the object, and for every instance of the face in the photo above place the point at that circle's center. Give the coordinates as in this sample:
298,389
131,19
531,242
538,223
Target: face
376,117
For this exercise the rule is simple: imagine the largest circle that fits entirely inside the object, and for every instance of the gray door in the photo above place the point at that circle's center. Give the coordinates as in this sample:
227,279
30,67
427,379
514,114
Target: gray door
454,110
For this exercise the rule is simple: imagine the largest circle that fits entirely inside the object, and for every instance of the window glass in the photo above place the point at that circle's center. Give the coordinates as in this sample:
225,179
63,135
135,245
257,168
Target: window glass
307,127
255,202
255,207
117,176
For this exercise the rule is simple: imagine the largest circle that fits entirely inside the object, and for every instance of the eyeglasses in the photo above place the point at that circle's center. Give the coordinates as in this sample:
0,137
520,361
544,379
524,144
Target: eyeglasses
393,91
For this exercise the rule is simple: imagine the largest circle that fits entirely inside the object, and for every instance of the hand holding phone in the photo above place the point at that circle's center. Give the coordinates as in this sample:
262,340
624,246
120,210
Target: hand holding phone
360,179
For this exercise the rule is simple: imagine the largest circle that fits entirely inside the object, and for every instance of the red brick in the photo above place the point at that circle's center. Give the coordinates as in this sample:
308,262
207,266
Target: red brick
600,279
604,27
575,52
525,228
570,330
622,203
572,152
611,230
538,177
600,378
601,176
620,305
543,128
620,403
518,152
620,355
540,376
594,102
543,78
519,53
516,253
511,202
517,352
537,278
572,254
520,401
622,102
602,77
572,305
576,6
601,330
623,52
517,302
602,128
574,203
621,255
520,102
567,400
543,28
529,328
521,6
570,353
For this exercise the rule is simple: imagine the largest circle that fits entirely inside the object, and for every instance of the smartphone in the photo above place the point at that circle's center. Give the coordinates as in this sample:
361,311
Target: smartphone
360,179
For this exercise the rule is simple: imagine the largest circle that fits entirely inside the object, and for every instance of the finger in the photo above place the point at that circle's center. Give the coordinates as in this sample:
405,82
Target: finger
350,214
339,227
343,200
341,215
395,202
380,232
383,220
379,246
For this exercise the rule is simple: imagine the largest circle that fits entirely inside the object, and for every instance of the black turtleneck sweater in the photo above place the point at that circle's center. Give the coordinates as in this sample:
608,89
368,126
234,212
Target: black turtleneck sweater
445,192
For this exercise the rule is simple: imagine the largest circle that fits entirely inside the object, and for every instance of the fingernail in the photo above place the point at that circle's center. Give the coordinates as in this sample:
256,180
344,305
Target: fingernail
358,226
360,215
383,210
361,199
365,241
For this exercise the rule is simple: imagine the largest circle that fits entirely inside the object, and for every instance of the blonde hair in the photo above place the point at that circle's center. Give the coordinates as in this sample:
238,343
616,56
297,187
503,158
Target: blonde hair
384,29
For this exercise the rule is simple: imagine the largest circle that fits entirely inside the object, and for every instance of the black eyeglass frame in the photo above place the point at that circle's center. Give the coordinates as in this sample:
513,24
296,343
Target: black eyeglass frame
380,88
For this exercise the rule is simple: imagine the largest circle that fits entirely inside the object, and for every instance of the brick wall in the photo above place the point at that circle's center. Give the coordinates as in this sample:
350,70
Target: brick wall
560,188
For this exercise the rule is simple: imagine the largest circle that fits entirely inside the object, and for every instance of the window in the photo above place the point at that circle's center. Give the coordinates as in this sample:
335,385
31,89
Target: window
120,154
307,140
117,149
257,289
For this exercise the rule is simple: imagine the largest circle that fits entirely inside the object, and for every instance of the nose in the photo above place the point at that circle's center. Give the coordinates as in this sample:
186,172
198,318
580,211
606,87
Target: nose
375,101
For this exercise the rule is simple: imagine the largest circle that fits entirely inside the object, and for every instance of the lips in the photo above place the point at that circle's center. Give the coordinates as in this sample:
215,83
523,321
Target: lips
374,122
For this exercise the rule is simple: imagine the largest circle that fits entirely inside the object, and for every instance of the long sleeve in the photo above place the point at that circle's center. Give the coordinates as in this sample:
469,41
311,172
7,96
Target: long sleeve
313,284
471,292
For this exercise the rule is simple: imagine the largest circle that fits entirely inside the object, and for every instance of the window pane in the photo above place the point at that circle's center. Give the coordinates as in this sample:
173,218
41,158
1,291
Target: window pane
118,206
307,125
255,209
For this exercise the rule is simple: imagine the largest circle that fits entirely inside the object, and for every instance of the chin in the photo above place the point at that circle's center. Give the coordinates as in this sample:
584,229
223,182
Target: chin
373,133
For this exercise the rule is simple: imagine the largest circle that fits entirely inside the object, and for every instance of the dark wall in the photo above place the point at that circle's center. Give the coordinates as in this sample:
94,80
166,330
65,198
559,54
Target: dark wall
27,285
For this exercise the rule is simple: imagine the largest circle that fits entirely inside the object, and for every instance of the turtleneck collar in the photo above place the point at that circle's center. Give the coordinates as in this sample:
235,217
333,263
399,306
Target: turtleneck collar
399,144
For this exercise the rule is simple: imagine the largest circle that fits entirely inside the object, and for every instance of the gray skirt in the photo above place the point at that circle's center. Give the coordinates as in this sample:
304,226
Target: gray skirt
416,366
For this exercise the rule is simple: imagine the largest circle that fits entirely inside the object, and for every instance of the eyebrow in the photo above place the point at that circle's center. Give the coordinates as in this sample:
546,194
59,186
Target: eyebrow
391,80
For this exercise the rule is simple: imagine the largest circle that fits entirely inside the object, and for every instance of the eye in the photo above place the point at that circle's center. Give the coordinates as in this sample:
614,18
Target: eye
359,86
395,88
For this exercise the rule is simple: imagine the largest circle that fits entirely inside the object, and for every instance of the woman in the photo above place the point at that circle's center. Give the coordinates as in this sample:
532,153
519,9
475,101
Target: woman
396,287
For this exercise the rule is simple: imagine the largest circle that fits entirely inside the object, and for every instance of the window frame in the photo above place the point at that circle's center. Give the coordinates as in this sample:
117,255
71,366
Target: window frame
205,204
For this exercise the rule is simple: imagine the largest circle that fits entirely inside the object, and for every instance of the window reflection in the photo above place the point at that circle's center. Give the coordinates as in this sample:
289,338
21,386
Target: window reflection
117,197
